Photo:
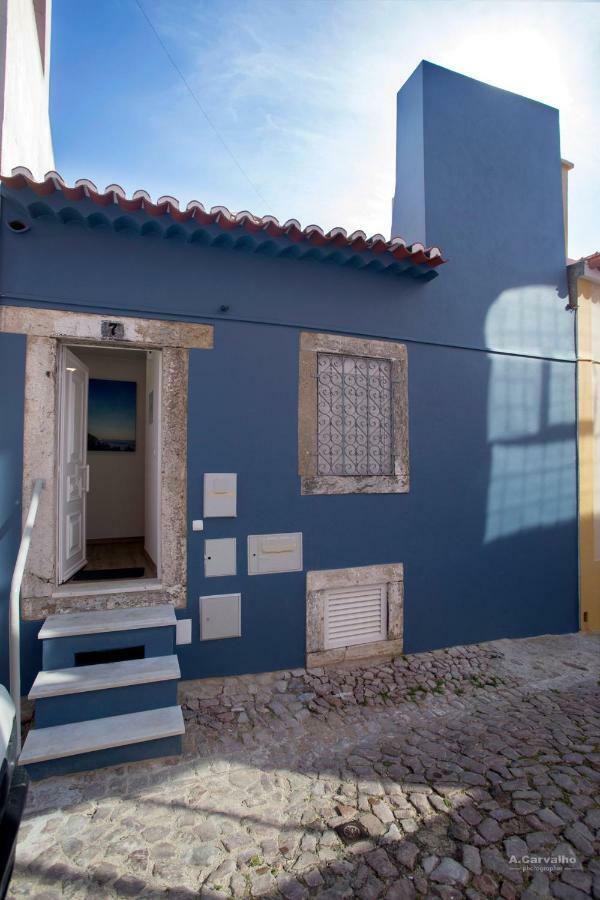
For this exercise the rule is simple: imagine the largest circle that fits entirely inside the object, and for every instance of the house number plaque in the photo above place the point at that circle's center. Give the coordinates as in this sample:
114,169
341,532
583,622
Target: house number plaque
114,330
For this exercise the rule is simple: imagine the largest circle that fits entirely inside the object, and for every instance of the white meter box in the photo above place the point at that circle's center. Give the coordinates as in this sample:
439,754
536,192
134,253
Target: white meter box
220,617
219,557
271,553
220,495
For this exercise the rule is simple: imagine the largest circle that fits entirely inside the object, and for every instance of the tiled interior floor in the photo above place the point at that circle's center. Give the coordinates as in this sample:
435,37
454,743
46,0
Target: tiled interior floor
122,554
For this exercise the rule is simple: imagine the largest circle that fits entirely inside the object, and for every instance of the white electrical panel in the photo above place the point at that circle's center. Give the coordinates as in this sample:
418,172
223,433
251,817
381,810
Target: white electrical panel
270,553
220,494
219,557
220,617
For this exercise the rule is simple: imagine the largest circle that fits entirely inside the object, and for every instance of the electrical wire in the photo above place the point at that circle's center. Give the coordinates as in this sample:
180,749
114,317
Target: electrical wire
196,100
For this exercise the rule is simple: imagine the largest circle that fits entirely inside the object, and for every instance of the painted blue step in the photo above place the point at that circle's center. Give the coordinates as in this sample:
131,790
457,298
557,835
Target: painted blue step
59,653
100,759
92,692
113,740
81,679
146,631
98,704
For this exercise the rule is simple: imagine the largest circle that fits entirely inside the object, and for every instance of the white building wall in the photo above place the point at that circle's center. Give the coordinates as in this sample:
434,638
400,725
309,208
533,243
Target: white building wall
25,138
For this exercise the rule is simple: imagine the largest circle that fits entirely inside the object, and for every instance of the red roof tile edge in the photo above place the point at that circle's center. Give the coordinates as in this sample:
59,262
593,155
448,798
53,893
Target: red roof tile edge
593,260
83,188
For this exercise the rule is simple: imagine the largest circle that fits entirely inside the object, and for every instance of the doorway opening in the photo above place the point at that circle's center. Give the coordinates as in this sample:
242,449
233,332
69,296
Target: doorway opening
109,464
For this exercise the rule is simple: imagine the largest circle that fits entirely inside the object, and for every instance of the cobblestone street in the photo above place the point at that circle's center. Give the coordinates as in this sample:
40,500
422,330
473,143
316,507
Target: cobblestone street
459,765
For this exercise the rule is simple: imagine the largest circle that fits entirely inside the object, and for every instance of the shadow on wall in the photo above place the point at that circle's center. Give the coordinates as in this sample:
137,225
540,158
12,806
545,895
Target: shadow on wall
9,529
12,372
531,417
491,550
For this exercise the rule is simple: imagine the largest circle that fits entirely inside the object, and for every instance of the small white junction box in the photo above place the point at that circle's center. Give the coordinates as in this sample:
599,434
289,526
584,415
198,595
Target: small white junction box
183,631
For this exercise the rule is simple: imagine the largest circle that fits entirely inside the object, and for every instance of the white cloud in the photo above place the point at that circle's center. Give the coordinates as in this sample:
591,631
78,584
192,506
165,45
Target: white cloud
304,94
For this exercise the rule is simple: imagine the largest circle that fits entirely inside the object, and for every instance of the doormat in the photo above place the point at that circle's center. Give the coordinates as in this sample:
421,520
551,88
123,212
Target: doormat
108,574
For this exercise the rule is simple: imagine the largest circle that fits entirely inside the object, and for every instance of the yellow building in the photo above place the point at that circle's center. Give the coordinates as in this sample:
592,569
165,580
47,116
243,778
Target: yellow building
584,283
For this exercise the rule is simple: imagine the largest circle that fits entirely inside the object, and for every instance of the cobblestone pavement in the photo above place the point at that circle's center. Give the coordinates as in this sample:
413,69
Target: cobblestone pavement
459,765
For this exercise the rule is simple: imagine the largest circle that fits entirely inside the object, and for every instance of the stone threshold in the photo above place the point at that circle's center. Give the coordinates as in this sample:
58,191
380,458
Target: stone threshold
102,596
358,654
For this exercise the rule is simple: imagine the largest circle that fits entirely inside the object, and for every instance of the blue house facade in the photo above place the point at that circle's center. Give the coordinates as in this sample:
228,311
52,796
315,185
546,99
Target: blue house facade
377,439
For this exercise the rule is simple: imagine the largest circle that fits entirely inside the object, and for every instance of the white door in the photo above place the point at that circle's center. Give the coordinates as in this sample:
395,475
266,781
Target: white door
73,473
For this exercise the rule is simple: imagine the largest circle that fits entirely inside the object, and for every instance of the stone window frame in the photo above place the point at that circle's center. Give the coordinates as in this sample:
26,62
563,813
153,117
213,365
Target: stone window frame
46,330
320,581
311,344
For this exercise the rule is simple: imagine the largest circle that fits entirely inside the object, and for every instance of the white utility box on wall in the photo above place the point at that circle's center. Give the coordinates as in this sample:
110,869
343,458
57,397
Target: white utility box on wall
220,617
220,495
270,553
219,557
183,631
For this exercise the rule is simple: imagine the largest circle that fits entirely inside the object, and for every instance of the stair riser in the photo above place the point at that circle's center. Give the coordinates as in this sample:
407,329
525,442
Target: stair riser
97,704
99,759
59,653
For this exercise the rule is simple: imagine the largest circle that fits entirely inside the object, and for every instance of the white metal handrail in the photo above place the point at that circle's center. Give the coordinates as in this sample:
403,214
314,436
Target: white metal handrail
15,606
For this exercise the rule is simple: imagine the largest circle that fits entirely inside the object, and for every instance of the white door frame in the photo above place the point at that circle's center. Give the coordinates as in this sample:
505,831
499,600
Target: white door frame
72,348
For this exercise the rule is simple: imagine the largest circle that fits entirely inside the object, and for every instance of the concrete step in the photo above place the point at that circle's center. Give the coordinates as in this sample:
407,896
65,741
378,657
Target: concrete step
104,676
90,737
107,620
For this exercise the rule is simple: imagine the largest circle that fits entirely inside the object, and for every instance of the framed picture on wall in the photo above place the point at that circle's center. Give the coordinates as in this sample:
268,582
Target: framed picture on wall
111,415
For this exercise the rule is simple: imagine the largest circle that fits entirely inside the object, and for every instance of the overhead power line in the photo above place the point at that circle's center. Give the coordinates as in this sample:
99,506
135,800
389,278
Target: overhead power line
198,103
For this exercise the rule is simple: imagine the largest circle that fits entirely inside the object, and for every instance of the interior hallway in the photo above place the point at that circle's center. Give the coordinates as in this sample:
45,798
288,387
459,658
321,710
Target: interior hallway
126,553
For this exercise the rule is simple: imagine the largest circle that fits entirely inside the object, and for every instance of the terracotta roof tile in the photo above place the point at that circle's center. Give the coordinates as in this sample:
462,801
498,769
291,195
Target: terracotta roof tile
593,260
219,226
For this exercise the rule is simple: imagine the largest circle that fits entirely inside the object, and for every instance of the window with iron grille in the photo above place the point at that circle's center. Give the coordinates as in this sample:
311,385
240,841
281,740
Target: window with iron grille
354,411
352,415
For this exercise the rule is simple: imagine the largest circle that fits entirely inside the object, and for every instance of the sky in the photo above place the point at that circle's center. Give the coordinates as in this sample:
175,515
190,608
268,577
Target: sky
301,96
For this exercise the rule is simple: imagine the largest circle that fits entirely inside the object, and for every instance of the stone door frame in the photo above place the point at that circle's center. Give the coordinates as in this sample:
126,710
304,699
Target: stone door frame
46,330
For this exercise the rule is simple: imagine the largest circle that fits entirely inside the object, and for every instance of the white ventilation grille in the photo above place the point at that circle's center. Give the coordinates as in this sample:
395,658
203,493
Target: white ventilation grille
355,615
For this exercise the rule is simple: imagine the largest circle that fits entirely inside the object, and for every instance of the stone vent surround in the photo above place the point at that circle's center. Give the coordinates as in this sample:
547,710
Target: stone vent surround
319,582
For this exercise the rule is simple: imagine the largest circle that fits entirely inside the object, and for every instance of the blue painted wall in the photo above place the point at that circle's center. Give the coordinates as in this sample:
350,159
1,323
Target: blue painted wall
487,532
12,401
488,541
485,179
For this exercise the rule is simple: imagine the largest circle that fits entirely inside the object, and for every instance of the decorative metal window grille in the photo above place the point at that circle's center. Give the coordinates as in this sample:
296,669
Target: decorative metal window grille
354,431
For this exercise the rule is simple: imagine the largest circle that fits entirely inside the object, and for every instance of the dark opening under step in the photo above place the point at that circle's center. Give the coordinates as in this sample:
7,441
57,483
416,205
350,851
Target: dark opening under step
113,654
